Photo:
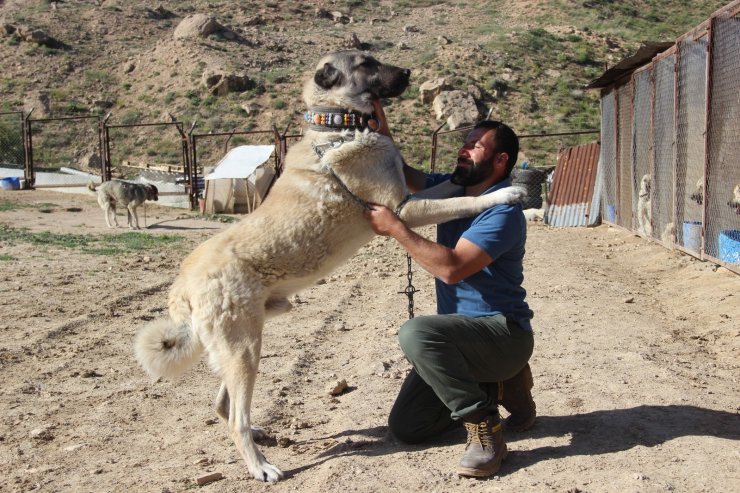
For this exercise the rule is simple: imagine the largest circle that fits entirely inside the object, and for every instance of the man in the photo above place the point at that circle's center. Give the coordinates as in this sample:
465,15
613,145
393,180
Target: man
474,354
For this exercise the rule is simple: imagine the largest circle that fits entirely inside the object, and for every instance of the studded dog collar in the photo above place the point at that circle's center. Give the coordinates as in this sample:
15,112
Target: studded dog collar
332,119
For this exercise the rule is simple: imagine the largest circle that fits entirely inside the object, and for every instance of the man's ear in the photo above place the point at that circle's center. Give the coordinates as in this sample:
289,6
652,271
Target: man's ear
327,76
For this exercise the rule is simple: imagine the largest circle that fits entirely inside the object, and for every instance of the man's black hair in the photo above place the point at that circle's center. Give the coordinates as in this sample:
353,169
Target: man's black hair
505,140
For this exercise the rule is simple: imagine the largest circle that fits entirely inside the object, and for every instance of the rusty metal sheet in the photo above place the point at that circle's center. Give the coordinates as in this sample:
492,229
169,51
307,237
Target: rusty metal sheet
572,201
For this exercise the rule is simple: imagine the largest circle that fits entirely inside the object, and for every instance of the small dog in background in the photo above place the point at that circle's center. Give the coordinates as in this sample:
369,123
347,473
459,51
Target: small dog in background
127,193
644,211
698,195
735,202
669,233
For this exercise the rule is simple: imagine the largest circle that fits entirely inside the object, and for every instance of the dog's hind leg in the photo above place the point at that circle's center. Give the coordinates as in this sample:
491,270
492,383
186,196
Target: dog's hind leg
110,211
222,409
237,351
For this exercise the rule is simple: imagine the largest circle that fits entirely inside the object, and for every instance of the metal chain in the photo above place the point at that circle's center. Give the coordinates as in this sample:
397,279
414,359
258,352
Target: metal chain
410,289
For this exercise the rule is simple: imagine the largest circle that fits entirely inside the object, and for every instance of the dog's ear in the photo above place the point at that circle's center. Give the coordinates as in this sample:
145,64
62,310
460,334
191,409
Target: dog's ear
327,76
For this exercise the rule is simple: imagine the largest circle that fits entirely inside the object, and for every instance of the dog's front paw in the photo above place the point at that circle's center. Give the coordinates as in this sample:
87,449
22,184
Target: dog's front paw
266,472
510,195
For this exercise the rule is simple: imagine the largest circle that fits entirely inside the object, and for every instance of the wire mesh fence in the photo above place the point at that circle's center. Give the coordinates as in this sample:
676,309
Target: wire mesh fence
642,142
608,157
12,153
624,156
64,152
722,232
670,162
664,123
690,133
156,152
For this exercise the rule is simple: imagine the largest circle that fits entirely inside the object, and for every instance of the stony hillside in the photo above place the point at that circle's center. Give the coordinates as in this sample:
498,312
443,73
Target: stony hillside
240,64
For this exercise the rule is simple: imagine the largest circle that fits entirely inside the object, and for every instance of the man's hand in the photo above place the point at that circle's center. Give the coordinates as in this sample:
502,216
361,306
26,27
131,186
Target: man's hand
383,221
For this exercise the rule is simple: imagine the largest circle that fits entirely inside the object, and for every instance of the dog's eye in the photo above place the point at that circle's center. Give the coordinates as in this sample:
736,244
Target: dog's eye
368,63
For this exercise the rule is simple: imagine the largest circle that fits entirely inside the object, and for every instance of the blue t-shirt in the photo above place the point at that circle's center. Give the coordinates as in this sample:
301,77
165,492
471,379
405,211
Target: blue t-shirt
501,232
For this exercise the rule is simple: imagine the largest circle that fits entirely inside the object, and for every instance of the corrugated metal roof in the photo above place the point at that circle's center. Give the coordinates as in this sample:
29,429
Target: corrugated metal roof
645,53
570,199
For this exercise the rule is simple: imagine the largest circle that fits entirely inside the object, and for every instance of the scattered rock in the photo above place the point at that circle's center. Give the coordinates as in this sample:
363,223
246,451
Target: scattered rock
337,387
196,25
44,434
458,107
430,89
208,478
353,42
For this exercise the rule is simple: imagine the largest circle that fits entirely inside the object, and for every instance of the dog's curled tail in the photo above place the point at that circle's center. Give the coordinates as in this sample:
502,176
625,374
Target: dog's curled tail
166,349
91,185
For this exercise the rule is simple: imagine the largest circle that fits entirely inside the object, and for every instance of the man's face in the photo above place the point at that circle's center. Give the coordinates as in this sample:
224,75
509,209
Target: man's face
476,159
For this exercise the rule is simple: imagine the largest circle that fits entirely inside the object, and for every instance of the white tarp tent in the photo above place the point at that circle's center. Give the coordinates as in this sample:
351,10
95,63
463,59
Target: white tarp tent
239,181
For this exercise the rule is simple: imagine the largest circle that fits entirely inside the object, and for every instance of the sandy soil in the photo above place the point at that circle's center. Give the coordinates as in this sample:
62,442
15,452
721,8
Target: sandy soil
635,366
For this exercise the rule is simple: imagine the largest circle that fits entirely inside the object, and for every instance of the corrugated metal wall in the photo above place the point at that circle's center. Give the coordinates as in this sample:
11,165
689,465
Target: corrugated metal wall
572,193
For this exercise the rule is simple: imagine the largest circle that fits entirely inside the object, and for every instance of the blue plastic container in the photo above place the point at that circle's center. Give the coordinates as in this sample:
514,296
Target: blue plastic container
692,235
611,213
729,246
10,183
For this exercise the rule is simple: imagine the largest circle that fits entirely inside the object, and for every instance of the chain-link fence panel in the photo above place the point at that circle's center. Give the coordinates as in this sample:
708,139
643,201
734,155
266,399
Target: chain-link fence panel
722,232
64,151
624,155
608,158
12,153
690,133
642,142
663,157
153,153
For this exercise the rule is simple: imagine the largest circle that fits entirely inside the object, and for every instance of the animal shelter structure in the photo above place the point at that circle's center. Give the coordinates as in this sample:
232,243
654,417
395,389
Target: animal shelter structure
670,141
240,180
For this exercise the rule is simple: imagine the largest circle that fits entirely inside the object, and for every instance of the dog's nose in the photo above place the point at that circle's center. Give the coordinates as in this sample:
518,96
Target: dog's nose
407,72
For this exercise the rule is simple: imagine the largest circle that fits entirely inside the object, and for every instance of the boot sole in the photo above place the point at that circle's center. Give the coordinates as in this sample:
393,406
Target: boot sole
492,469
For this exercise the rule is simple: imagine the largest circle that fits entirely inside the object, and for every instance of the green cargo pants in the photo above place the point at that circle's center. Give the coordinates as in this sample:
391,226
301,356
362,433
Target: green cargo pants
454,359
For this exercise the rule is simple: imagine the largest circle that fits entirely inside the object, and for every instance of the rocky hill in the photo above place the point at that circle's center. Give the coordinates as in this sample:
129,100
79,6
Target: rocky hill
240,64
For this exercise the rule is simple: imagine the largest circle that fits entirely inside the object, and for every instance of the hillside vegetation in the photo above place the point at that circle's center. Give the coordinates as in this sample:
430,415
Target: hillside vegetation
526,62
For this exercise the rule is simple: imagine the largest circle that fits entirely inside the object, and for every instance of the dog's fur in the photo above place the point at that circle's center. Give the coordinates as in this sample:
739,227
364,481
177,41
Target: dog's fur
734,203
698,193
127,193
308,225
644,209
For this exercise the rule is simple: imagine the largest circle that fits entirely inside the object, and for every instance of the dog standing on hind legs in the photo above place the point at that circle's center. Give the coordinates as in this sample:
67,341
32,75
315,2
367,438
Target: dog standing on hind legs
127,193
311,222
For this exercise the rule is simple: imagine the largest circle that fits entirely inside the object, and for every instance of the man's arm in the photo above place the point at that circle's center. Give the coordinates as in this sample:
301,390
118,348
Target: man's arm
449,265
415,179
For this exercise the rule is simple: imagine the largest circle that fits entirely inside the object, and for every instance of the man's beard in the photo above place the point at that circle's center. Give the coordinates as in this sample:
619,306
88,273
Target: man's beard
472,175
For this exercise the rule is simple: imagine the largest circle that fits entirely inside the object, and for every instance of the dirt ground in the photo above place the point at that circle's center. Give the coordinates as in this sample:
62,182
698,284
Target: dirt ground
635,367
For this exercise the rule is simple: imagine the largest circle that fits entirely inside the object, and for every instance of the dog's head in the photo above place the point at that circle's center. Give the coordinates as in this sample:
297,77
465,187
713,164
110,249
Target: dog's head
698,195
152,193
645,185
352,80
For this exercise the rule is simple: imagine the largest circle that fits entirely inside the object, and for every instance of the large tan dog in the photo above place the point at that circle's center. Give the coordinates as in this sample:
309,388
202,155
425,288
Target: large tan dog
311,222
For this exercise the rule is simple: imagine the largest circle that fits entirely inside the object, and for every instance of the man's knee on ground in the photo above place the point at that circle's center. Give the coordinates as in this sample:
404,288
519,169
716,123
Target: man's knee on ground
403,429
413,335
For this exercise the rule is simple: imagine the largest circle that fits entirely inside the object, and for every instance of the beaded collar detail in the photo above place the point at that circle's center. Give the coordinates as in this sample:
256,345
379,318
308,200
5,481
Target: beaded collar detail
329,119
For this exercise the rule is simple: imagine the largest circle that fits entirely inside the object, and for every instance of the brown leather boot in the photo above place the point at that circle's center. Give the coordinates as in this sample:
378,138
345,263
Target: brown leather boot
485,448
515,394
